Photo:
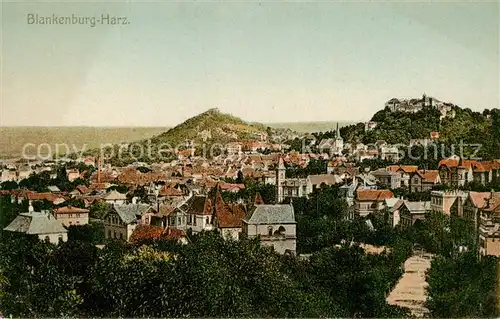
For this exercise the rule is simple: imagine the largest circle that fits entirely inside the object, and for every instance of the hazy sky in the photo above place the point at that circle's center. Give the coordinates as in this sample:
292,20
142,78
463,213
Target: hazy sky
266,62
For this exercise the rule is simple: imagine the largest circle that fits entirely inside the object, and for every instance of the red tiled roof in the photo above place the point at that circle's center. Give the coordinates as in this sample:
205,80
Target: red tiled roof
448,163
429,175
258,200
70,210
227,216
374,195
479,199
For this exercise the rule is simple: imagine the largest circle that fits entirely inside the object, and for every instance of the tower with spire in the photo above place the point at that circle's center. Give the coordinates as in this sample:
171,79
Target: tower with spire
339,142
280,179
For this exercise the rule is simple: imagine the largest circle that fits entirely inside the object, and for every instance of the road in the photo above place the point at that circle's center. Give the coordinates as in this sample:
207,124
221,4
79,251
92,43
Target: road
410,290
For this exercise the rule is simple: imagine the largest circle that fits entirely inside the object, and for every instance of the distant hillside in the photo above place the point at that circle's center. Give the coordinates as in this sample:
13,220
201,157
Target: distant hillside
309,127
12,139
400,127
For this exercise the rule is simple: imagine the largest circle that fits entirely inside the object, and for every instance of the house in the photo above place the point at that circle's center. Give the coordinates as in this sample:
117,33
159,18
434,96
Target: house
489,228
393,205
72,174
115,197
121,220
227,218
205,212
441,201
53,189
456,172
405,172
69,215
195,214
369,126
410,212
41,224
361,155
348,192
388,179
470,207
315,181
389,153
371,201
423,180
275,225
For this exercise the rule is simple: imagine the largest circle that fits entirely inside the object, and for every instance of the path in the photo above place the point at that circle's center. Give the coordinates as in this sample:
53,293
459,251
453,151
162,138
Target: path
410,290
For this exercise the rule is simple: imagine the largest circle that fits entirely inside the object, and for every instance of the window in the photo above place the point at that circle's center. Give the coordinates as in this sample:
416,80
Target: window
109,233
280,231
114,233
179,220
121,235
60,238
207,221
194,221
270,230
47,239
77,215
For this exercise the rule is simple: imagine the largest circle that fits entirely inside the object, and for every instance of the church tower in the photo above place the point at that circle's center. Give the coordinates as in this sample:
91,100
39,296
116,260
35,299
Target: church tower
339,142
280,179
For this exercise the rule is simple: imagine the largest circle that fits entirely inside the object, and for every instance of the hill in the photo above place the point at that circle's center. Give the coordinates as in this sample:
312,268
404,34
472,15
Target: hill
200,132
211,126
400,127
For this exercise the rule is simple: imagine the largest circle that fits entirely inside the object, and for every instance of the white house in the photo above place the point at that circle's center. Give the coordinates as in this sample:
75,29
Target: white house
275,225
41,224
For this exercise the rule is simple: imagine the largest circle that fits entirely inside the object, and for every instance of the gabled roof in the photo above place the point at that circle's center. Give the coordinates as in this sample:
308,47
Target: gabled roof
70,210
417,207
271,214
479,199
36,223
258,200
130,212
374,194
328,179
115,195
448,162
430,176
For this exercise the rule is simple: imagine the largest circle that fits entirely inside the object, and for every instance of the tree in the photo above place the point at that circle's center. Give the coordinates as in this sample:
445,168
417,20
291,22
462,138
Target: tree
9,185
240,177
462,286
99,209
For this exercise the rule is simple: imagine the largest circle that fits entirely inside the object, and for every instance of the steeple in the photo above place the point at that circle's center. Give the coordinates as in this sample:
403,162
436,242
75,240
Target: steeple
281,164
337,135
258,199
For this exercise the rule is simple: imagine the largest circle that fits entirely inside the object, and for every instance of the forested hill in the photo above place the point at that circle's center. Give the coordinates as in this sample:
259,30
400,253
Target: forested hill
400,127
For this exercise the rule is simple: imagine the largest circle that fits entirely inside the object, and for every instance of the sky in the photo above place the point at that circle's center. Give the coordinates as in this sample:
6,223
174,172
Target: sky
261,61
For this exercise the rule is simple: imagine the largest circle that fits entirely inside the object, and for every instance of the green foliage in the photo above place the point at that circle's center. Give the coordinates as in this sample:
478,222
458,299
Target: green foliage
9,185
462,286
37,287
92,233
314,167
267,191
99,209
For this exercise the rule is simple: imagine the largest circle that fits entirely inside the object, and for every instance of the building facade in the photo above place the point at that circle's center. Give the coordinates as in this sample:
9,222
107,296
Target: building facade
275,225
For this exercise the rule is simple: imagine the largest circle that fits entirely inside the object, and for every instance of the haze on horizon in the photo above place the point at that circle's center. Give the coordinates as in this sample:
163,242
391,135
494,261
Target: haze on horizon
264,62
